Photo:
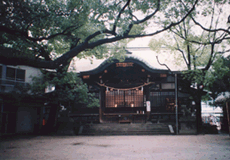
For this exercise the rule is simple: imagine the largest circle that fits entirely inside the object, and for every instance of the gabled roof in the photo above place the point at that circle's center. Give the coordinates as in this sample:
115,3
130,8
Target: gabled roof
135,60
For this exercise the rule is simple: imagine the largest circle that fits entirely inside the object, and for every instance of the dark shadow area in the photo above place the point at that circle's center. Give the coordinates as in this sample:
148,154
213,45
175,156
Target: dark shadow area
17,137
210,129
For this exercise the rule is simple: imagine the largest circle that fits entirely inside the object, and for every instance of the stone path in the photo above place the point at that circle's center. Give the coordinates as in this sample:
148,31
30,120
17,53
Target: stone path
204,147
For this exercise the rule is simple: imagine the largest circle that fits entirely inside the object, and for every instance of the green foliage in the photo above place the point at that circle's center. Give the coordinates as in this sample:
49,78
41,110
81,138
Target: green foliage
50,29
92,101
218,78
37,19
179,43
193,47
194,76
158,44
69,88
199,49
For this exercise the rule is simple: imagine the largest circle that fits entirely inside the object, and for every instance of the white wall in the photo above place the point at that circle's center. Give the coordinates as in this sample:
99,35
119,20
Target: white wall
30,72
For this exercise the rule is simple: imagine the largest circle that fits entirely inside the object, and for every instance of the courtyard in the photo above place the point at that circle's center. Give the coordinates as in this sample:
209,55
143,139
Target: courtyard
190,147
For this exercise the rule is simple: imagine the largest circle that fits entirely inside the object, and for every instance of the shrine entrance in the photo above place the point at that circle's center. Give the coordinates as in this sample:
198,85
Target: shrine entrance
124,98
124,105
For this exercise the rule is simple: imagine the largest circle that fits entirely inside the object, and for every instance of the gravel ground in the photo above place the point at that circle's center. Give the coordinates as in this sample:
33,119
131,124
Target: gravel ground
205,147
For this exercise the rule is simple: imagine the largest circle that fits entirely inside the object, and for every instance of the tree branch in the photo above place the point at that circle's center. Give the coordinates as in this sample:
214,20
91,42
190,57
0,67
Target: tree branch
131,14
7,57
83,46
168,27
149,16
119,15
178,48
63,59
24,34
224,51
98,33
210,58
211,30
163,64
217,40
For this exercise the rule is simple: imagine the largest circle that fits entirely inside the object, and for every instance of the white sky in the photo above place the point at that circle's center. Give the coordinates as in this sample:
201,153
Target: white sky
144,54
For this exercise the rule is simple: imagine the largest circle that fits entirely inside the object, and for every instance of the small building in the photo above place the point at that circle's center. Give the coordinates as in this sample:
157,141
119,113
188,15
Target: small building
133,92
19,112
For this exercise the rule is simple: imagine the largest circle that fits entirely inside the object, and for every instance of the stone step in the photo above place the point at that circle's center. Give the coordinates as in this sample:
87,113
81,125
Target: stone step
124,129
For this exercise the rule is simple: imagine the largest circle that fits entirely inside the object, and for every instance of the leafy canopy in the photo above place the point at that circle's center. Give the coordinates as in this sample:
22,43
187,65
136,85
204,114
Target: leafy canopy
219,76
68,89
193,46
198,45
49,33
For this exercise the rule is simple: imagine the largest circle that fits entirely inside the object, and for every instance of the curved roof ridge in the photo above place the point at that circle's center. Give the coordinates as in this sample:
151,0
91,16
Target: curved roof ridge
106,63
142,60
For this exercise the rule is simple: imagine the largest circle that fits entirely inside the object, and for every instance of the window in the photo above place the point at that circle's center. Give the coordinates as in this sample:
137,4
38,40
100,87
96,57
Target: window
20,75
170,79
15,74
167,93
10,73
168,86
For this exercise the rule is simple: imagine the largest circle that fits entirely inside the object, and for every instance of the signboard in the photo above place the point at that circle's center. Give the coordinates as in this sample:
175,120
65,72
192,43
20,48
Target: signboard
128,64
148,106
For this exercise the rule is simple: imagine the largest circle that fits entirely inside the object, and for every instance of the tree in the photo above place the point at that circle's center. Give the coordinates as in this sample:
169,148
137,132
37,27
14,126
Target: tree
70,87
219,77
198,50
69,91
49,33
219,83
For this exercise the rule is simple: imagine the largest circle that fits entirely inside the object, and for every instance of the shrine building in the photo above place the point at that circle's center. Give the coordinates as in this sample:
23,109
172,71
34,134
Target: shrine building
133,92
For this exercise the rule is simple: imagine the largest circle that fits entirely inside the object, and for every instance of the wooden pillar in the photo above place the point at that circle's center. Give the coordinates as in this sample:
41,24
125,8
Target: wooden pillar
147,93
100,111
102,104
148,113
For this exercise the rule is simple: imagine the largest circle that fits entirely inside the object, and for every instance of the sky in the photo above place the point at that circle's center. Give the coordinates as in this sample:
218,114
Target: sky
141,51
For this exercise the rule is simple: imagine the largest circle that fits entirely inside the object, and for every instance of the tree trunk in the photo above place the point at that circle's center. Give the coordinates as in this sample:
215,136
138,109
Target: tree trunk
50,125
224,123
51,122
228,116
